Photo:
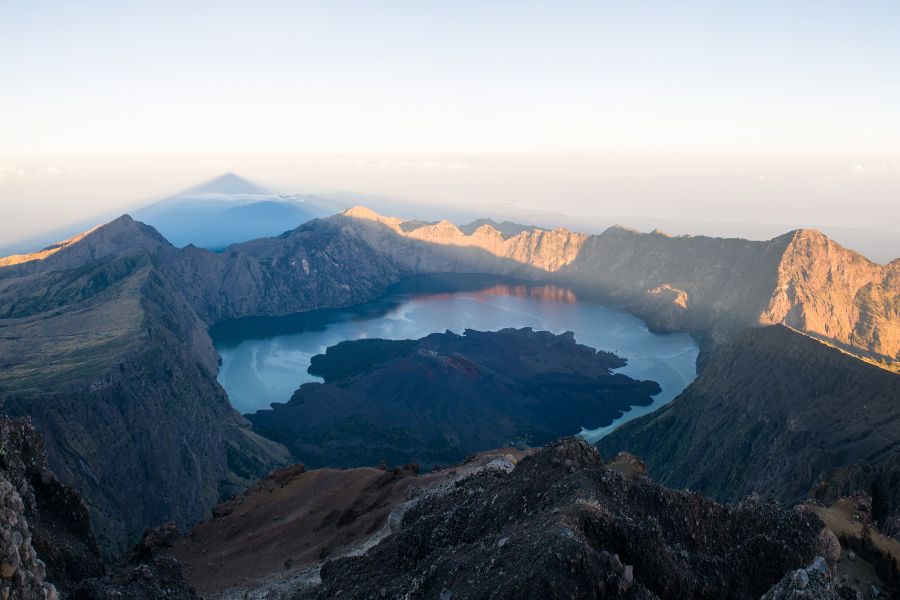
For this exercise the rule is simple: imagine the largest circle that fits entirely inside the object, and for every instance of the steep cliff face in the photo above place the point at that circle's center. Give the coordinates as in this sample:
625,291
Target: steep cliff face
445,245
711,286
837,295
779,414
117,371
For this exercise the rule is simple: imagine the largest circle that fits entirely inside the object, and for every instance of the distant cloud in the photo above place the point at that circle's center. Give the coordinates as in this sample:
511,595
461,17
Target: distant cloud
873,167
8,171
359,164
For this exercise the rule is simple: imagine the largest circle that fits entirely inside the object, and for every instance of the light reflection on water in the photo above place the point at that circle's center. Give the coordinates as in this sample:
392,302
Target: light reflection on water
265,360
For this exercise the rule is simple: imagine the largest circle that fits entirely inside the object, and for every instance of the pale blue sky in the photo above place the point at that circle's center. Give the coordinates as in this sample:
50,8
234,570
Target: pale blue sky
165,78
785,112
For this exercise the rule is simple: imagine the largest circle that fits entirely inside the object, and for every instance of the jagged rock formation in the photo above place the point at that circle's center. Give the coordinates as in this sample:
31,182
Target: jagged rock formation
100,348
149,572
813,581
58,522
562,524
506,228
780,414
47,548
445,396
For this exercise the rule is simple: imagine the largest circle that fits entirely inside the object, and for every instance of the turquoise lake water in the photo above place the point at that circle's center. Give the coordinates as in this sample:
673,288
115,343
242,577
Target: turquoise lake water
265,359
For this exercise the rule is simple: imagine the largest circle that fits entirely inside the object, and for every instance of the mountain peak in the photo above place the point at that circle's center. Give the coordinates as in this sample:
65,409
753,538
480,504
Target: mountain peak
120,234
620,230
367,214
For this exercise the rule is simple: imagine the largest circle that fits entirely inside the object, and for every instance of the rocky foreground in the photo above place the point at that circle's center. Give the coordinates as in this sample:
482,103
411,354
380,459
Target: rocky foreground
556,523
563,524
46,544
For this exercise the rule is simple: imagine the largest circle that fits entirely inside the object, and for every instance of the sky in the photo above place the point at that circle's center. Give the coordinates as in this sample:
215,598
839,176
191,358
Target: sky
109,103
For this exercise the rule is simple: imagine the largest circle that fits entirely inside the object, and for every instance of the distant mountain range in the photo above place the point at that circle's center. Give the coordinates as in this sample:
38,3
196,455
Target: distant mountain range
230,209
710,286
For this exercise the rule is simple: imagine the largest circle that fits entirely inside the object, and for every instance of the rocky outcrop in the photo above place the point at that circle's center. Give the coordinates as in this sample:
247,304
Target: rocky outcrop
22,574
562,525
867,564
59,530
813,581
307,517
446,396
779,414
149,572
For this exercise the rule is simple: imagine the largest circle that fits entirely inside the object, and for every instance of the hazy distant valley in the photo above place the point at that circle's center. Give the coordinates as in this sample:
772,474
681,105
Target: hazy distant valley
794,342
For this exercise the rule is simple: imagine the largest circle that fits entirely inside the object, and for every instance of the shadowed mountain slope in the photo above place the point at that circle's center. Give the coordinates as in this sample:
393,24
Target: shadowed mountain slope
97,344
777,413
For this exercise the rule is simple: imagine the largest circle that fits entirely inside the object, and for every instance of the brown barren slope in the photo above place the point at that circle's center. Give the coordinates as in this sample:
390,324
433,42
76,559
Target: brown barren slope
292,516
297,518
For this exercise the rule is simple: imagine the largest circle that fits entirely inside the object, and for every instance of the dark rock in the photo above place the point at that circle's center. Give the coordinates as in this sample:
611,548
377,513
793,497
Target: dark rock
22,573
612,535
57,518
812,582
445,396
149,572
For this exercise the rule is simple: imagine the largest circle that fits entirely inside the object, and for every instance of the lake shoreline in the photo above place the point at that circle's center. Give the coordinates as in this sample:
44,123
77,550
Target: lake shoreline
264,359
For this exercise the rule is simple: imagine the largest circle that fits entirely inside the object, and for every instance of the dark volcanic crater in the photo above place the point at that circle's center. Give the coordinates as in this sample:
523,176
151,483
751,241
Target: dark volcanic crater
437,399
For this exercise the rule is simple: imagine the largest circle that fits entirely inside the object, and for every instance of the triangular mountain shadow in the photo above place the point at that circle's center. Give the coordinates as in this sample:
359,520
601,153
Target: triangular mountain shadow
226,210
229,184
